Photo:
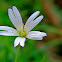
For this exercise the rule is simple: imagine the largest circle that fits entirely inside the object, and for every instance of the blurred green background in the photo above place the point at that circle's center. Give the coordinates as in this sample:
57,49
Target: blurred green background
47,50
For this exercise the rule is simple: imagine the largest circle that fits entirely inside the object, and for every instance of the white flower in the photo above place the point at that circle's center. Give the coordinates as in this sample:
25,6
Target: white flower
22,31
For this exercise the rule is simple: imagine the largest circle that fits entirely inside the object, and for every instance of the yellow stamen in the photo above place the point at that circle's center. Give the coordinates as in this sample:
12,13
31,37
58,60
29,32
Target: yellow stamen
23,24
25,32
16,26
17,31
25,28
21,35
19,27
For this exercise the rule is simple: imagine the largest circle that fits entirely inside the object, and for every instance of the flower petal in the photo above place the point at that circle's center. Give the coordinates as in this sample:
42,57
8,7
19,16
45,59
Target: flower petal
31,18
22,42
5,33
9,29
36,35
12,17
16,42
17,16
19,40
34,23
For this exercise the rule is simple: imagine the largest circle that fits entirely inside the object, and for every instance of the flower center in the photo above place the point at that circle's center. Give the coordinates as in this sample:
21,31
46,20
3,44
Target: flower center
22,33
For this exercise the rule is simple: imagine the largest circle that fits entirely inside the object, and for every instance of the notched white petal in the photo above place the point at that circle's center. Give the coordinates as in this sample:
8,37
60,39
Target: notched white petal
36,35
31,18
15,17
34,23
19,40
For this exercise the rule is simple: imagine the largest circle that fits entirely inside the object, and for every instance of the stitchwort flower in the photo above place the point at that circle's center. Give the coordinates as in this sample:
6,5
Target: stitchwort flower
22,31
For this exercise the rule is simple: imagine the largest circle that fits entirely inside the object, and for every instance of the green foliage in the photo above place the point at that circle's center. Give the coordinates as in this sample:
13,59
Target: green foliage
31,52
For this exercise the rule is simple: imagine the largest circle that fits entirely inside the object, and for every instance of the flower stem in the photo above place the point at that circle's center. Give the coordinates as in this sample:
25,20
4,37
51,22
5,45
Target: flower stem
17,53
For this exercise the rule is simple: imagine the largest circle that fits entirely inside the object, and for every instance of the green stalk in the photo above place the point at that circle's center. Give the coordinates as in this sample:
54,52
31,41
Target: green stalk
17,54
